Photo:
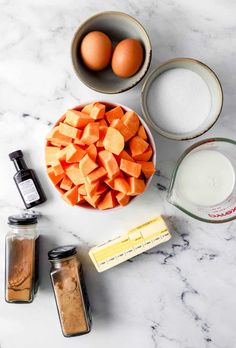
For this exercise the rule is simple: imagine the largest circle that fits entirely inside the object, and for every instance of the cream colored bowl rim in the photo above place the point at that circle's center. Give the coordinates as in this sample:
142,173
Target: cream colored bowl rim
154,74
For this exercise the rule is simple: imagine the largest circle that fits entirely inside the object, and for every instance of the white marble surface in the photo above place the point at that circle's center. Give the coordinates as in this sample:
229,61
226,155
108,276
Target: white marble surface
181,295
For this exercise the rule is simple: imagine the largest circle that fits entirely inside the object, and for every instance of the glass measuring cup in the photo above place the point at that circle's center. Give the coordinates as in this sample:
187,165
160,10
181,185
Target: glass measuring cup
214,213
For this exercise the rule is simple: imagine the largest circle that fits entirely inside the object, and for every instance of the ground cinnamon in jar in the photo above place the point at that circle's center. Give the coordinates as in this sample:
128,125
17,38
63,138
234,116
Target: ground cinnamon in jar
70,292
20,270
21,259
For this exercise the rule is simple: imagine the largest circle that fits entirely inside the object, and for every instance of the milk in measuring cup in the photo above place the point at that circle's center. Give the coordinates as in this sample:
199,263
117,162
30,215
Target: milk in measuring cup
205,178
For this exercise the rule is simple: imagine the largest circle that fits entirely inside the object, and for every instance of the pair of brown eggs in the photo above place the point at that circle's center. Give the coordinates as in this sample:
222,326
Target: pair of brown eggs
97,53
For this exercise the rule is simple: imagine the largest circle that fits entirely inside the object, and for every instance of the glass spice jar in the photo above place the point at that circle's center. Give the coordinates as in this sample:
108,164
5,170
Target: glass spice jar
70,291
21,259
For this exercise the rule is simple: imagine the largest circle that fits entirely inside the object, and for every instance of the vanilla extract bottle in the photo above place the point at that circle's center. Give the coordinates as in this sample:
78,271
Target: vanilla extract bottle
27,181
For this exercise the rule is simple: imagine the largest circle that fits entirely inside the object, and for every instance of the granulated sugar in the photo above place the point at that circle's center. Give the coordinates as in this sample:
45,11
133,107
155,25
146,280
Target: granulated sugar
179,101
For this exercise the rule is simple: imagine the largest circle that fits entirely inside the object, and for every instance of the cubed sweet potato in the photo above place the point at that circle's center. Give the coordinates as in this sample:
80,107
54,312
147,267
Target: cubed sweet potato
114,141
148,168
90,134
54,178
74,153
130,168
137,186
75,175
121,185
77,119
137,146
87,165
122,198
109,162
114,113
98,111
107,202
50,154
71,196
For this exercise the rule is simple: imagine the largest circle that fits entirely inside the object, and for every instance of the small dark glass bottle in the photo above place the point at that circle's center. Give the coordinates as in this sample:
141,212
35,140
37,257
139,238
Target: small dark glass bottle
27,182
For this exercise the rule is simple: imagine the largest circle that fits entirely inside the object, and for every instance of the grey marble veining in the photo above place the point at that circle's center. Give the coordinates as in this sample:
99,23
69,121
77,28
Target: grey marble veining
179,295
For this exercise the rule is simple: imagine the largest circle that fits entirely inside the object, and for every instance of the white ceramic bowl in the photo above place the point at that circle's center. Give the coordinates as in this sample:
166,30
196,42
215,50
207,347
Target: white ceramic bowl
211,81
150,137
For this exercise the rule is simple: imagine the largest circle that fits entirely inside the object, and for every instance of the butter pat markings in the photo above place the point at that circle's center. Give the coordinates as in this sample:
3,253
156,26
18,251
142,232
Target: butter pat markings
136,241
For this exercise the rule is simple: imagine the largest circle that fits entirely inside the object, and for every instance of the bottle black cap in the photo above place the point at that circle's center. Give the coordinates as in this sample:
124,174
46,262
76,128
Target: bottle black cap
15,155
62,252
24,219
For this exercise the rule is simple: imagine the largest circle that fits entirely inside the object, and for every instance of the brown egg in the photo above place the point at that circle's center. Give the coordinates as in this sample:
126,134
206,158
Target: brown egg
127,58
96,50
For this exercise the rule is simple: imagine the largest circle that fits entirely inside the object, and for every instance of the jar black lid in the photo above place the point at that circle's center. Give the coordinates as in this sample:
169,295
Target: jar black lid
24,219
15,155
62,252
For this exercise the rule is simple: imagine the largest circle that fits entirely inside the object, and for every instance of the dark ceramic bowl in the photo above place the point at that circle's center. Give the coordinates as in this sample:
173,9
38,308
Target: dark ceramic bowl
117,26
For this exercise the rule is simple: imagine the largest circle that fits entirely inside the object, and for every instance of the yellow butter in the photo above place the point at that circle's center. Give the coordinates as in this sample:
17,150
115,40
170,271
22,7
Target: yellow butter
133,243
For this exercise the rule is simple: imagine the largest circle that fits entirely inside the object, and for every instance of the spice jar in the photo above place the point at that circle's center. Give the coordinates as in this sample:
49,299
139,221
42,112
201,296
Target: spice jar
70,291
21,266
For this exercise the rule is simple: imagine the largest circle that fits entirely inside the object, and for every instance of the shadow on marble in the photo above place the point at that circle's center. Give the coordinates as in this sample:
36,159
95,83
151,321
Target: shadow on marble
46,243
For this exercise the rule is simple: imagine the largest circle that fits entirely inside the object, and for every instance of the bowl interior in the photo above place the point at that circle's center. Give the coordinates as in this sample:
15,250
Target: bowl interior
150,137
211,81
117,26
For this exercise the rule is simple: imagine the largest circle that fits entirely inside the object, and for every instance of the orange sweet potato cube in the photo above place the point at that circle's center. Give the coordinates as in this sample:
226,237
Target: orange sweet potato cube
61,155
54,178
77,119
124,154
137,186
97,174
92,152
57,167
82,190
131,121
101,188
66,183
69,131
55,137
122,198
137,146
71,196
114,141
87,165
50,154
148,168
102,134
92,200
130,168
142,133
109,162
122,128
144,156
98,111
90,134
121,185
91,188
107,202
74,153
115,113
80,198
109,182
102,122
87,108
74,173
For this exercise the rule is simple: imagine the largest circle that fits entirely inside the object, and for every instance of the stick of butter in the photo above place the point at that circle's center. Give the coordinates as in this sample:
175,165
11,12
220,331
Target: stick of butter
134,242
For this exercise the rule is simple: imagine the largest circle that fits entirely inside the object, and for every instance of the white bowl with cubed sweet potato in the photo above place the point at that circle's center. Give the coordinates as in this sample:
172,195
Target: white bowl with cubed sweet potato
100,155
